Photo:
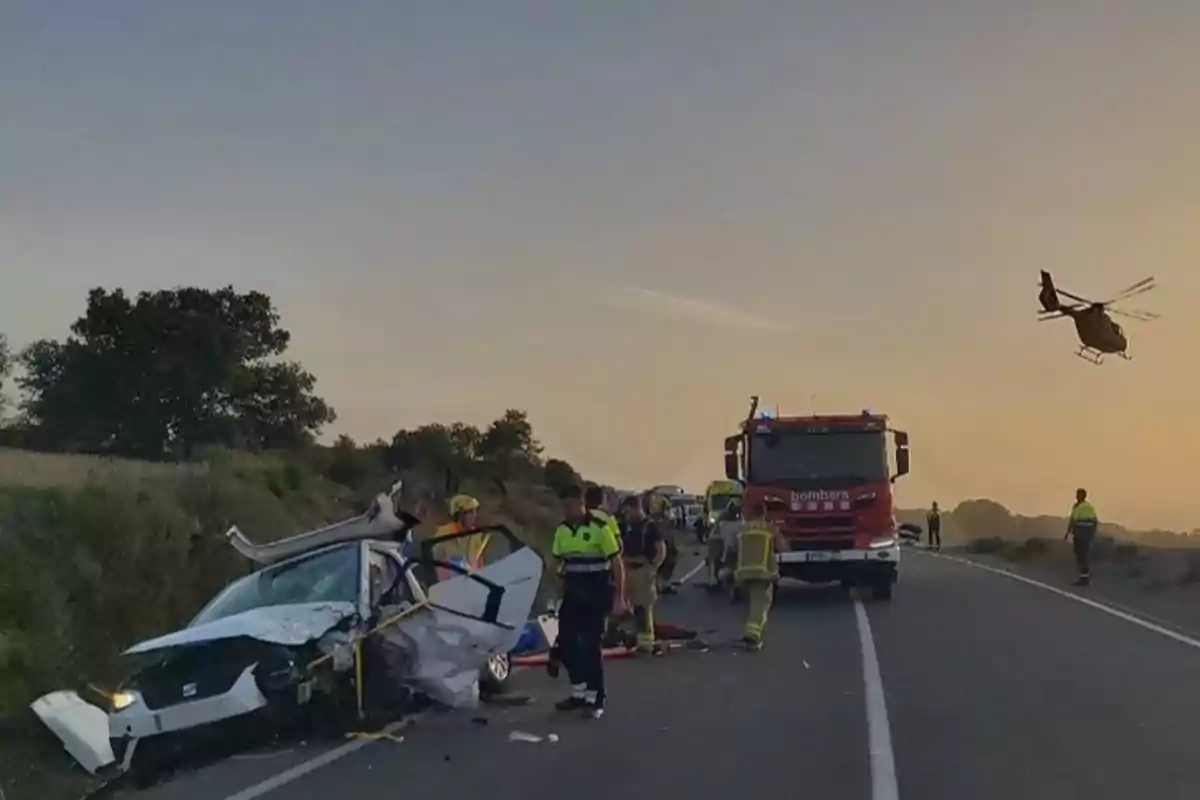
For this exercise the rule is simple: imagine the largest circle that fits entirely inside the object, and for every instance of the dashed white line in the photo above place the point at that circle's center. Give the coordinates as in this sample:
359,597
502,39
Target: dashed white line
1150,626
879,734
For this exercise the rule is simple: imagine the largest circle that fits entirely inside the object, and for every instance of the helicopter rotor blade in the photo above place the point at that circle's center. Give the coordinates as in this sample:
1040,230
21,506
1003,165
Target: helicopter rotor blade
1125,297
1144,285
1142,316
1074,297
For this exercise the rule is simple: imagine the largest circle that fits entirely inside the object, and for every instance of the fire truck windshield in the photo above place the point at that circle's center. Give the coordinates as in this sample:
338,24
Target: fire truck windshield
800,458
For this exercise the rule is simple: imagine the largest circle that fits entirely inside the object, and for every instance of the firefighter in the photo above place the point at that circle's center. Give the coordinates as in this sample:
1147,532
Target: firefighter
933,523
722,544
757,571
643,551
1081,528
593,586
660,512
466,551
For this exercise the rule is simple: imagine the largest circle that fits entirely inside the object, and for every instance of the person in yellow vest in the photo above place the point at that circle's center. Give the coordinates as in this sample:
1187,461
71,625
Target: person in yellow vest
593,499
643,550
1081,528
589,559
756,570
469,550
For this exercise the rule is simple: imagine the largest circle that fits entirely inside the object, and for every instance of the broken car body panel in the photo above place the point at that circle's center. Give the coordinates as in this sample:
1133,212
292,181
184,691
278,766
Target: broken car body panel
79,725
294,625
233,660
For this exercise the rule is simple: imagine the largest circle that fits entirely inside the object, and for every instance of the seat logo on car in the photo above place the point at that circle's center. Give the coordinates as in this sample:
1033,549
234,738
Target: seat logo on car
189,690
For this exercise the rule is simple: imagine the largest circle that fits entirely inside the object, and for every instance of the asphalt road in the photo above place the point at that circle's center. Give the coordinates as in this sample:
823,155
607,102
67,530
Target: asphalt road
968,684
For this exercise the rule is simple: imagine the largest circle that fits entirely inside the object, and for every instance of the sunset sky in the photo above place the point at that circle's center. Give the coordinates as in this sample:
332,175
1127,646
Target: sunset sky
627,217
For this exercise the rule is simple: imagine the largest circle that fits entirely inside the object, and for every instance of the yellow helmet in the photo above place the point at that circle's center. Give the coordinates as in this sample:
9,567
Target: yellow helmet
461,503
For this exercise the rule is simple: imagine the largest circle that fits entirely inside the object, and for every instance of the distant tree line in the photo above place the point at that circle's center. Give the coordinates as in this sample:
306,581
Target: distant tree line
168,373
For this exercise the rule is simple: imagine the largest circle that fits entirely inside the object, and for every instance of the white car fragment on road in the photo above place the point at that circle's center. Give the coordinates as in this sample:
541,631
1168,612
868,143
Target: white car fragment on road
337,618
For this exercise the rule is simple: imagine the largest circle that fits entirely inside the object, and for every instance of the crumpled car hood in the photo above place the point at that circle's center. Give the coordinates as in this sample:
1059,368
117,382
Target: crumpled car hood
291,625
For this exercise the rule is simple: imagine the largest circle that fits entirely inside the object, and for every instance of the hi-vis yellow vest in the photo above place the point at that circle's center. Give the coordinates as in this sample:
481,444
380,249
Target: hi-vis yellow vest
756,552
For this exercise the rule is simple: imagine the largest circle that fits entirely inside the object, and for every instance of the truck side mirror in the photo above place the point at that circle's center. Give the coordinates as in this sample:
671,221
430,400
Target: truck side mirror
901,462
731,457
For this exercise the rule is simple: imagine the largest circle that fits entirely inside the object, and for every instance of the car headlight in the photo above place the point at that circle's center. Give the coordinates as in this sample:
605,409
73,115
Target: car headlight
882,542
123,700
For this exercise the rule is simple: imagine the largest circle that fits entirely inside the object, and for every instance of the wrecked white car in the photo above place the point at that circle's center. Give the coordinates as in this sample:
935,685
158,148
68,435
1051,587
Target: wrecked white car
338,621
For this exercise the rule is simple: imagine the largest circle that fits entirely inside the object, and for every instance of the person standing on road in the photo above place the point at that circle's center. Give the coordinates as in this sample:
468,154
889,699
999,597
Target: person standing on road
758,541
933,523
643,551
1081,527
593,499
593,586
722,543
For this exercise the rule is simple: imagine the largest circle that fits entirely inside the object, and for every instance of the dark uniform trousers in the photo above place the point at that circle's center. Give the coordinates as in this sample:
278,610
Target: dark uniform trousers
586,603
1082,535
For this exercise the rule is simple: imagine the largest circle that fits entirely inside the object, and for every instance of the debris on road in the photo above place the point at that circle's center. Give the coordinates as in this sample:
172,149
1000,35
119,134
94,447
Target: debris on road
522,736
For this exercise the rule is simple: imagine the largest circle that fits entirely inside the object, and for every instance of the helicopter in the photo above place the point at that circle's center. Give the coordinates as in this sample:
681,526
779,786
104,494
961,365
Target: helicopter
1098,333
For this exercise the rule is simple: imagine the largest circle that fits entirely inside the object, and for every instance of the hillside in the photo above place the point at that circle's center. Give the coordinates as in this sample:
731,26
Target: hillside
1140,560
97,553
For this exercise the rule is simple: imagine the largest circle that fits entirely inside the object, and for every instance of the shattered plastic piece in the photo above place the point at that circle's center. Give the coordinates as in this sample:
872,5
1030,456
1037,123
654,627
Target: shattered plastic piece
554,738
806,666
522,736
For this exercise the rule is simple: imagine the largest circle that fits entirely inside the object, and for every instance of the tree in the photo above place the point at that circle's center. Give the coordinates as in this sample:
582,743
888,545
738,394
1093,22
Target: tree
436,447
558,474
509,443
167,372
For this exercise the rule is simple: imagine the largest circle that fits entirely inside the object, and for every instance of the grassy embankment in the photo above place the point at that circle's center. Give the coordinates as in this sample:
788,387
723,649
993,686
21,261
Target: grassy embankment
96,554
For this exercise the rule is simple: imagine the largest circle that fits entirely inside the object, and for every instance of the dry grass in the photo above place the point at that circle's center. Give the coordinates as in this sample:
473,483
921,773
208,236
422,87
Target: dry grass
97,553
26,468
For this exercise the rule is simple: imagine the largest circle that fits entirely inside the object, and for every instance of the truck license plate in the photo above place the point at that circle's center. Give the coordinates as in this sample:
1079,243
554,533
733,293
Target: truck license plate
820,556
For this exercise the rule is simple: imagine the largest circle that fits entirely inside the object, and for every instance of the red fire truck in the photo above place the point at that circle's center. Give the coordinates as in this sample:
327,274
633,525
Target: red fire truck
825,481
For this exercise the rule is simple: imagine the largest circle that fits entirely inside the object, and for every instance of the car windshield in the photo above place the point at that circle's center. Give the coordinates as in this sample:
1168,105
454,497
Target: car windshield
326,576
720,502
799,459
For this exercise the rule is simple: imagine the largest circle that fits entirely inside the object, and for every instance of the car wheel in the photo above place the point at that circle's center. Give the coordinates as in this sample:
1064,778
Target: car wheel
882,591
496,671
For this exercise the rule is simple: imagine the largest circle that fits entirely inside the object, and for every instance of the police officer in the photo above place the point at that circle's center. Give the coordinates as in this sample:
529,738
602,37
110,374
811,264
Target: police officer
756,572
642,550
1081,527
593,586
593,499
933,523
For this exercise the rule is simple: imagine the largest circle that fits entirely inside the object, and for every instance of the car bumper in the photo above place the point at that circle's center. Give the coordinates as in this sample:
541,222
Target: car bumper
140,722
875,555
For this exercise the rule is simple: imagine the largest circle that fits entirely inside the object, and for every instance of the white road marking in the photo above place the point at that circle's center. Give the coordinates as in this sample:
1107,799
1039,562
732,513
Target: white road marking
692,573
341,751
1107,609
315,763
879,734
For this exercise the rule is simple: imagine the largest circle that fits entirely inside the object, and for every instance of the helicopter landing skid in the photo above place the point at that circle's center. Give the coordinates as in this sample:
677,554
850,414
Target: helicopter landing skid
1094,356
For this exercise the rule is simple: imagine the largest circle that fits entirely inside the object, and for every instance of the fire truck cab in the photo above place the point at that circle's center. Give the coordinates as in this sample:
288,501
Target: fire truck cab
826,482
